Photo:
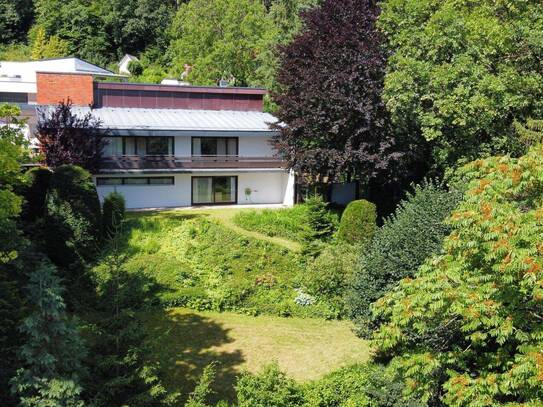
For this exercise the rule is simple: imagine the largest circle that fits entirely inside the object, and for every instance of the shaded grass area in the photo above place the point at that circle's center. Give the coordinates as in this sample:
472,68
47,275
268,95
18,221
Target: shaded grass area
289,223
185,341
207,266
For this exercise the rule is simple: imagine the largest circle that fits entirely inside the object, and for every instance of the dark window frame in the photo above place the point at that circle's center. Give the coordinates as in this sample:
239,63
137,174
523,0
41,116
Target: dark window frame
170,139
214,138
124,184
235,202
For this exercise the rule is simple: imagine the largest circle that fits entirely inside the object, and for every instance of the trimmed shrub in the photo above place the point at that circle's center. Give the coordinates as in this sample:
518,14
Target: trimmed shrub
113,210
35,193
269,388
358,222
413,233
72,224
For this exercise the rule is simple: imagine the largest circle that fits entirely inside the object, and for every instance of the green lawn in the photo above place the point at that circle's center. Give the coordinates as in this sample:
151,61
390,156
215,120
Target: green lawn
185,341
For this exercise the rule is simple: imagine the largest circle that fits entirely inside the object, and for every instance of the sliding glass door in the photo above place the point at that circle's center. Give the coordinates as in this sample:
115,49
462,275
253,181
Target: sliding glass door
214,190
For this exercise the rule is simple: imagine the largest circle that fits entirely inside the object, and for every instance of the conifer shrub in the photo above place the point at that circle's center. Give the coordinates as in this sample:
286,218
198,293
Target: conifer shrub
413,233
358,222
35,193
72,223
113,210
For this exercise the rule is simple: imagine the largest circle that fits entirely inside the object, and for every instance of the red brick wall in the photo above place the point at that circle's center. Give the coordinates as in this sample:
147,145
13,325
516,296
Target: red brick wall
54,88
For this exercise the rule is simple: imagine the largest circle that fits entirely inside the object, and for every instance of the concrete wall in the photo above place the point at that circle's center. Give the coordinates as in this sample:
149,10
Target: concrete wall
273,187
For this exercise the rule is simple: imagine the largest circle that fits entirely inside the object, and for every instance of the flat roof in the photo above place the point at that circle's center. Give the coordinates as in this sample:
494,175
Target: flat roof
140,121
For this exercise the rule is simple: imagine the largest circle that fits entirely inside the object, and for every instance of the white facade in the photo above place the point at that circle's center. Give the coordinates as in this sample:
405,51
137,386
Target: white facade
125,62
267,187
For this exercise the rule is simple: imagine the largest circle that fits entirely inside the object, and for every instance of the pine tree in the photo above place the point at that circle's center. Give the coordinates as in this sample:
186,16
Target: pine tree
51,354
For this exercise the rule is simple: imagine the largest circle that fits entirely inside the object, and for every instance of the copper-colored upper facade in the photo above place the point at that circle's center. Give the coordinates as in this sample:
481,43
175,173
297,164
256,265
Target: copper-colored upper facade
108,94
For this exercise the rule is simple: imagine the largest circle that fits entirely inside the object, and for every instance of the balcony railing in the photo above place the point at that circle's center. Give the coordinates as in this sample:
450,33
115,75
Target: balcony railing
169,162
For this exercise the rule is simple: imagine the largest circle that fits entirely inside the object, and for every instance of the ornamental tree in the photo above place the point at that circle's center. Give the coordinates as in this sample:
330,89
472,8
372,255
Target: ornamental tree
68,138
468,329
332,120
461,72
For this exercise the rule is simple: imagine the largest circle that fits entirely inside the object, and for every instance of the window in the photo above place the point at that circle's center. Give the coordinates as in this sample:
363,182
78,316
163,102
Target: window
135,181
210,146
159,145
113,147
109,181
214,190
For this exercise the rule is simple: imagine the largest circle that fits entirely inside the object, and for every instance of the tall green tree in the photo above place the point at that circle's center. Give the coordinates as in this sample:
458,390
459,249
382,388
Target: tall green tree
467,330
460,72
221,39
15,19
12,155
51,353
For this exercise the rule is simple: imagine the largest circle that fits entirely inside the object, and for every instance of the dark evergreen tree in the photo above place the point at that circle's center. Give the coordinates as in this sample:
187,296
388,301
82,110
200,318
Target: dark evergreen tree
51,353
413,233
15,19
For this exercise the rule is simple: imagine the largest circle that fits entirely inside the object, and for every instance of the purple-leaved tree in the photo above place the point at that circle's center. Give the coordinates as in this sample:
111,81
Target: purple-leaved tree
333,123
68,138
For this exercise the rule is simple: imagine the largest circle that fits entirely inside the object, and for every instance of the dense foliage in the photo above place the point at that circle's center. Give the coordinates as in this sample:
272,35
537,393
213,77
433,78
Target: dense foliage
467,329
328,277
71,228
15,19
270,388
68,138
408,237
222,39
330,80
35,193
50,355
358,222
113,210
461,72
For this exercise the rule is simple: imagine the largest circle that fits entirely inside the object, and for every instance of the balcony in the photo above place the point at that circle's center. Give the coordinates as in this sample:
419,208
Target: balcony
174,163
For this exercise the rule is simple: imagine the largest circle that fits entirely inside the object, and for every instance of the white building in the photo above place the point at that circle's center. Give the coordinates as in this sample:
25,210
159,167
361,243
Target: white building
124,64
175,146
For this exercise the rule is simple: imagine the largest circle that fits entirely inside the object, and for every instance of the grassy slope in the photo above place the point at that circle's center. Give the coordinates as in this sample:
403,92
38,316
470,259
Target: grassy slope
288,223
186,341
202,263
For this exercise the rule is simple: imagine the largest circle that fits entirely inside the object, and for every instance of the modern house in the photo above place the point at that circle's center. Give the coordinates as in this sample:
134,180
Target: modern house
175,145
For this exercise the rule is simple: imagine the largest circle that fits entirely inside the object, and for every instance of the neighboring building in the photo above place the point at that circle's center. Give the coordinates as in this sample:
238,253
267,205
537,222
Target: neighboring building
18,80
174,145
125,62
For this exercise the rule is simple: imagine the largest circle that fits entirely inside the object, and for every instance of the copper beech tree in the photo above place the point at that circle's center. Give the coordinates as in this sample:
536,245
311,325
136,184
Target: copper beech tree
68,138
332,121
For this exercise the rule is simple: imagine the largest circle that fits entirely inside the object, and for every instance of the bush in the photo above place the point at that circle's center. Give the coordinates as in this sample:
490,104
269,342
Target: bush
413,233
72,222
269,388
113,210
358,222
320,221
328,276
467,329
35,193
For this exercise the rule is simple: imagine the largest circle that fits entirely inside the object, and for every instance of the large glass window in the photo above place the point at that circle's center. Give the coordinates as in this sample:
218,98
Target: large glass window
159,146
113,147
212,146
214,190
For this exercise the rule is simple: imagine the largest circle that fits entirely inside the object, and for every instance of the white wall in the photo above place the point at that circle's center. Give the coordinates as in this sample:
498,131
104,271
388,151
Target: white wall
266,188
